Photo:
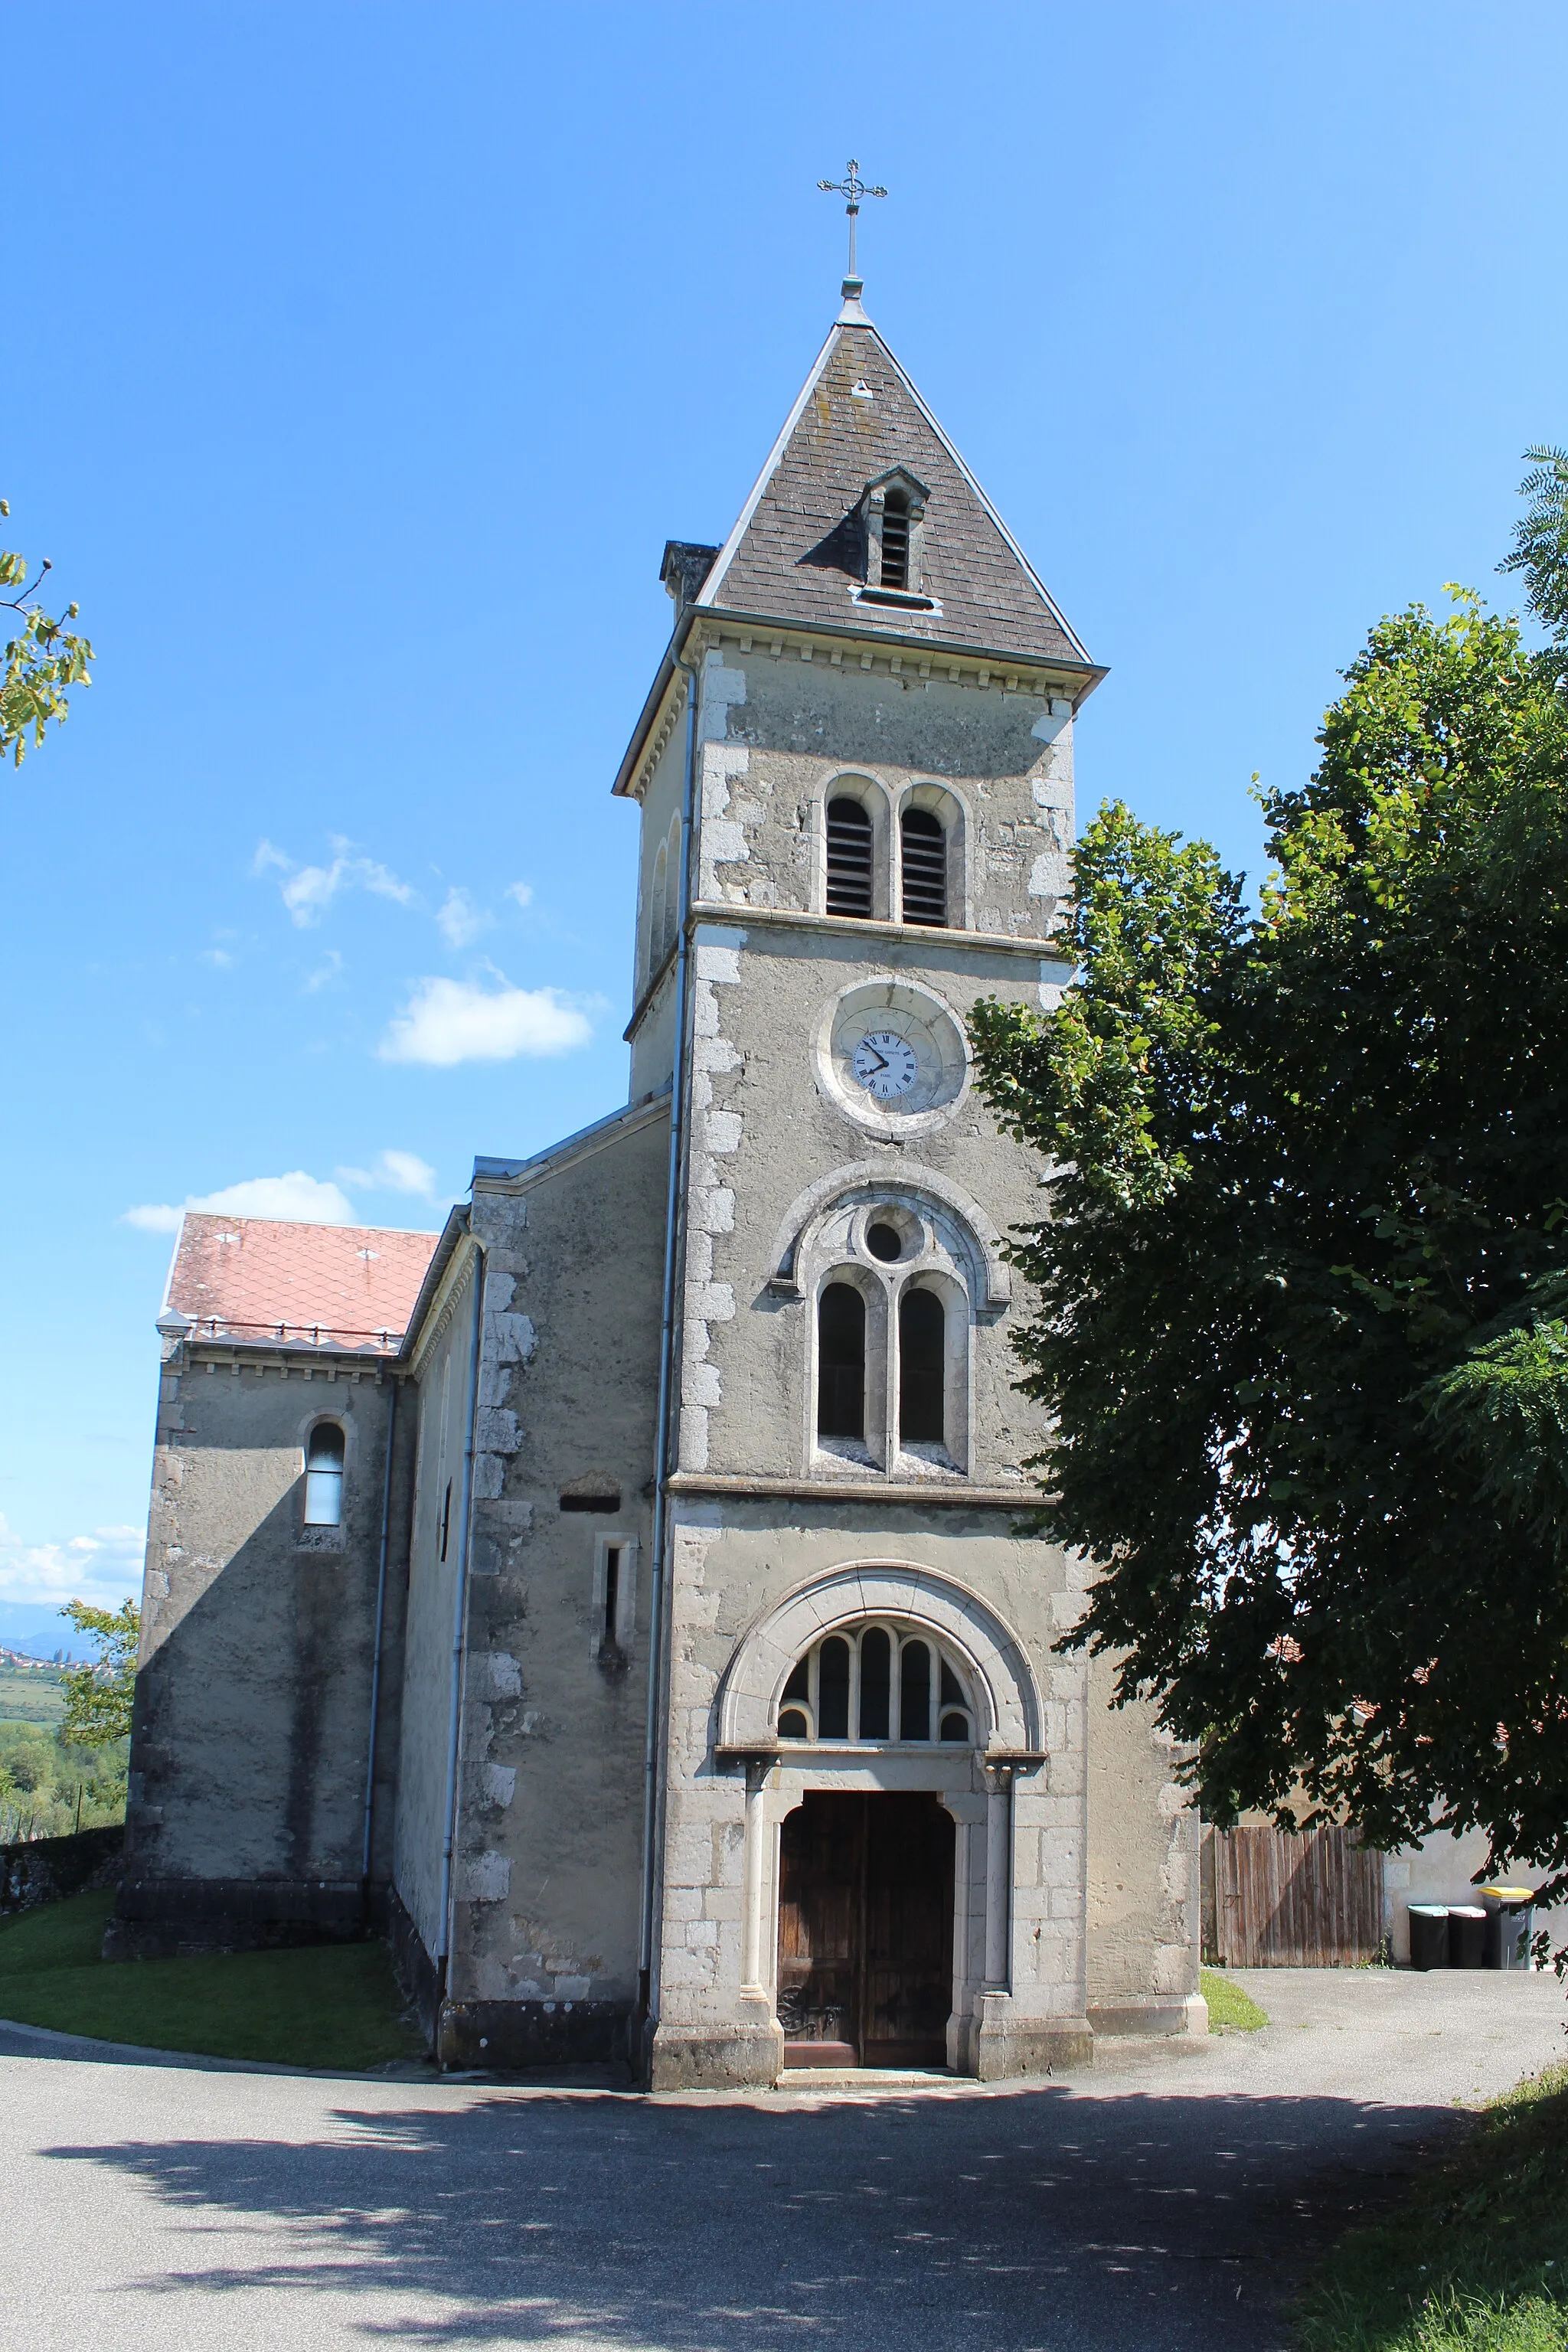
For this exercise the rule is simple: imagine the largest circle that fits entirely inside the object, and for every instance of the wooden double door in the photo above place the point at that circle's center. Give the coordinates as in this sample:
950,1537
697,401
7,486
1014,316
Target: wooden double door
866,1930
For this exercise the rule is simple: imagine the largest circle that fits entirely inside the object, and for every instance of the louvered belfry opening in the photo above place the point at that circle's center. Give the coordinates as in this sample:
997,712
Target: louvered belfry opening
896,540
848,859
925,866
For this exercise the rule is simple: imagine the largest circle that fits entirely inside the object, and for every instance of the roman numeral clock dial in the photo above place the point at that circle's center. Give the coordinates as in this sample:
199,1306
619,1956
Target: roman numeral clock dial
885,1065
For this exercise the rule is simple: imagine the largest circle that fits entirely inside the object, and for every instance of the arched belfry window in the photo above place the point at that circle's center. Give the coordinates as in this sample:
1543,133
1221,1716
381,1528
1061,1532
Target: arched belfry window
849,842
841,1362
324,1476
922,842
882,1681
922,1369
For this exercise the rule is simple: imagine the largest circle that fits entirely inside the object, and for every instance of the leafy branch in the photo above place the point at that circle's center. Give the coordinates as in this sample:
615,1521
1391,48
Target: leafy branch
42,663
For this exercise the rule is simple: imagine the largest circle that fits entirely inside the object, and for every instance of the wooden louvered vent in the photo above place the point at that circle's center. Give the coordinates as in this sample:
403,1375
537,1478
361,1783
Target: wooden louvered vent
896,542
848,859
925,868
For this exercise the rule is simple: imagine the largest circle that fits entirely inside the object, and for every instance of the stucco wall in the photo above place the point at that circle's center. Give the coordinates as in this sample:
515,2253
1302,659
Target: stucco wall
251,1736
1143,1883
444,1359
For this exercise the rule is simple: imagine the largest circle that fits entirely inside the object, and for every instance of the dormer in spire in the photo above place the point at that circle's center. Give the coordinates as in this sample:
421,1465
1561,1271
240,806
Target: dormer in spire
860,450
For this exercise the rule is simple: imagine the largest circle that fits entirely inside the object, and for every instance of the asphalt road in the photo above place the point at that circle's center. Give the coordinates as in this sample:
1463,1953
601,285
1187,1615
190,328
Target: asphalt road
1155,2202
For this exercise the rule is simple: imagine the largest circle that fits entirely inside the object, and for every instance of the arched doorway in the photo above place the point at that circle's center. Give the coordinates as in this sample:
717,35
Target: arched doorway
866,1929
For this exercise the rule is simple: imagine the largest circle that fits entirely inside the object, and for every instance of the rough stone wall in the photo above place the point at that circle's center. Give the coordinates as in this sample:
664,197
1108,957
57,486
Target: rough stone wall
544,1956
250,1738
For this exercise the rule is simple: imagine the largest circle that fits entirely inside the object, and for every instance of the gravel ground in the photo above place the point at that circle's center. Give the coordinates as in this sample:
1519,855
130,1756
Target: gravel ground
1159,2200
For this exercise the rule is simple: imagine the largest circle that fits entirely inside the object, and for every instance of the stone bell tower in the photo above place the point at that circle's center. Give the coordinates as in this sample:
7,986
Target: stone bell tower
889,1821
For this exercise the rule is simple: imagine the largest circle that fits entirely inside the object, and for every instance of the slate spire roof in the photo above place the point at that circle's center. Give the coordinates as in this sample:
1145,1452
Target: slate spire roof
797,552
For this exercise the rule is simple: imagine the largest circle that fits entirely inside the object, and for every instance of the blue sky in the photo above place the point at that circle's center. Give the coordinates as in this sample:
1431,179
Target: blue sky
360,359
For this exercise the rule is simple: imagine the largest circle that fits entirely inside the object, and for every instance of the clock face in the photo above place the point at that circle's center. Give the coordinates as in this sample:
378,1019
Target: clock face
885,1065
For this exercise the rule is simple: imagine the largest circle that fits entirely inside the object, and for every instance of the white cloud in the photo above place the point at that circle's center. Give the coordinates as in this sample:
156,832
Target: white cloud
325,973
394,1172
295,1199
102,1568
309,891
219,959
461,922
449,1021
522,892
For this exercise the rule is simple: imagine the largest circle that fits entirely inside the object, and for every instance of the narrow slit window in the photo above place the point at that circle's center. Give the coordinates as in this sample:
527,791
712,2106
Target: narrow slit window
833,1690
923,1368
841,1362
896,540
848,859
914,1693
324,1476
609,1636
446,1516
876,1684
924,847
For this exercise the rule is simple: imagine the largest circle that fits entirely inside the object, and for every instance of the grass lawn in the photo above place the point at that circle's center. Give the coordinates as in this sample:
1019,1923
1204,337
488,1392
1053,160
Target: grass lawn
1477,2261
332,2005
1228,2005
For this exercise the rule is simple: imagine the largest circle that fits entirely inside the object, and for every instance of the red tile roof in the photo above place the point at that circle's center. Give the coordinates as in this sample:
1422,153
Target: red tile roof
257,1278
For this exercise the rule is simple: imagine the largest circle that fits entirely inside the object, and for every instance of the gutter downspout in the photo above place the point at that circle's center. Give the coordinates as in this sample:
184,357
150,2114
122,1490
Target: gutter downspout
673,1259
380,1635
459,1629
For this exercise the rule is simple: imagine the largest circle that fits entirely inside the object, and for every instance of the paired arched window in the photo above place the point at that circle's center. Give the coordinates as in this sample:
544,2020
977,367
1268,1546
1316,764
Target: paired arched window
841,1362
921,1361
878,1682
324,1476
858,885
849,857
923,842
664,900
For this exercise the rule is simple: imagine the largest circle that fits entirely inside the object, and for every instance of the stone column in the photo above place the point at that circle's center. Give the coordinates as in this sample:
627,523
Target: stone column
756,1831
998,1875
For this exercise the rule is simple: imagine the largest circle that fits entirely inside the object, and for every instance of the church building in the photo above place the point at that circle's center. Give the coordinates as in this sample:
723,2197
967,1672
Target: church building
626,1598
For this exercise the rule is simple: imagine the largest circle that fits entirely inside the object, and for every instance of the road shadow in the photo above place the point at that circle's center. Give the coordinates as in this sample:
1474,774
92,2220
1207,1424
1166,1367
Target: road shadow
1044,2219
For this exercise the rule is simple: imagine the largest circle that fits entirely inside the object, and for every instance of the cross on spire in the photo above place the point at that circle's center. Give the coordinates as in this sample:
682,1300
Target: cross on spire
852,187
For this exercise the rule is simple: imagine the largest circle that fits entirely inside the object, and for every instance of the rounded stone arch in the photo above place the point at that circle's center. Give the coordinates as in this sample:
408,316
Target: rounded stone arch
809,1209
1009,1705
856,784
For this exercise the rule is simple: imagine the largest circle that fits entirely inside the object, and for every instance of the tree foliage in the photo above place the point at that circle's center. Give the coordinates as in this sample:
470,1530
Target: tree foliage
1303,1282
1540,553
98,1694
42,663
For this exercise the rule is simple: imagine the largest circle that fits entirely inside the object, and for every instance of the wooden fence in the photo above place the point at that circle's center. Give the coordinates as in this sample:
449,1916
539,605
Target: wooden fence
1278,1900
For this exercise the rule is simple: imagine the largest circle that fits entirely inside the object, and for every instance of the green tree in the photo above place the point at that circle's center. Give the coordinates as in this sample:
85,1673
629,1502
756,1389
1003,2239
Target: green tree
1540,553
1304,1279
43,661
98,1694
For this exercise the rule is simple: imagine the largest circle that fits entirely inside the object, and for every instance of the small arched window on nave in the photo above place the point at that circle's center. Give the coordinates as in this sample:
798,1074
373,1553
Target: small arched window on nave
850,841
324,1476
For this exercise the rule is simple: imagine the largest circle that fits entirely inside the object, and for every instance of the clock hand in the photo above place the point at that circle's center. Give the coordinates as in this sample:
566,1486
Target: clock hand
881,1059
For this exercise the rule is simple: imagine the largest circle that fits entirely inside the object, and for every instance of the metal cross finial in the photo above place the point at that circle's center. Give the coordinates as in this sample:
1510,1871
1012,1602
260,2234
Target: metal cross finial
852,187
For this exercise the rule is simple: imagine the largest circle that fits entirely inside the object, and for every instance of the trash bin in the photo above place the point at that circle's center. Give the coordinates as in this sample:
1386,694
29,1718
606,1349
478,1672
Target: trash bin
1467,1935
1428,1934
1510,1923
